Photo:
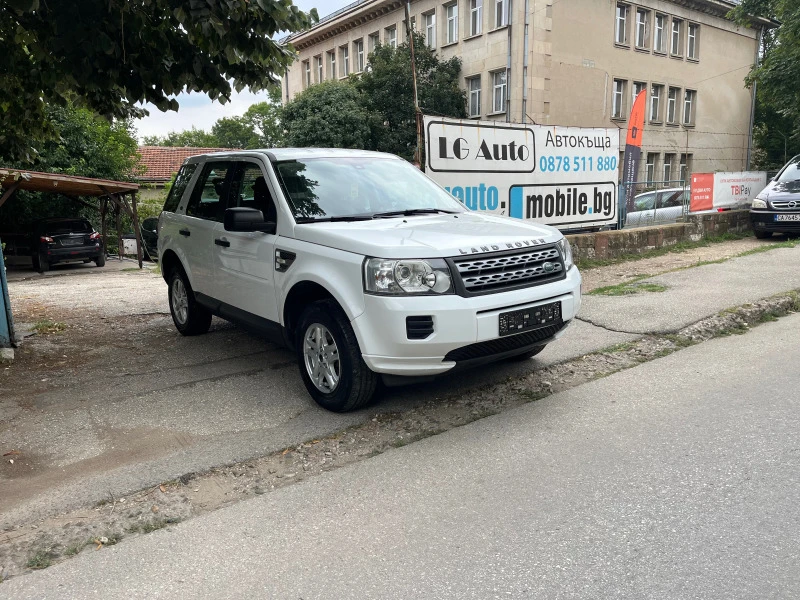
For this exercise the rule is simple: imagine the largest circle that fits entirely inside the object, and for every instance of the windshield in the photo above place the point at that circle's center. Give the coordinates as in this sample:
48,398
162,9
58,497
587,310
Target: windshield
791,172
359,187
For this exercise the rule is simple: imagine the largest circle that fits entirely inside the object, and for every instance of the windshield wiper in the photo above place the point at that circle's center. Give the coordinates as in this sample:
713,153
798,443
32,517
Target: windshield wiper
338,219
412,211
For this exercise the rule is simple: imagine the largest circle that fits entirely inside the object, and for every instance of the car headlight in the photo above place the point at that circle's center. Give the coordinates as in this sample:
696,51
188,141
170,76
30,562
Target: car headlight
758,203
566,252
408,276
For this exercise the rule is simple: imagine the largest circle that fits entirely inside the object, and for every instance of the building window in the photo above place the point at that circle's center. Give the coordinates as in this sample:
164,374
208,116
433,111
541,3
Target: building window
358,47
642,28
618,99
675,38
374,40
345,52
391,36
691,41
669,159
650,167
500,13
475,17
656,91
430,29
672,105
332,64
621,30
638,86
659,39
306,74
474,89
451,12
689,100
685,168
499,91
318,65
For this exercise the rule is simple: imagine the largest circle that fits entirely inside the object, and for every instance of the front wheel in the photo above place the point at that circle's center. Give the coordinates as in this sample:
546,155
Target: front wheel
331,365
189,317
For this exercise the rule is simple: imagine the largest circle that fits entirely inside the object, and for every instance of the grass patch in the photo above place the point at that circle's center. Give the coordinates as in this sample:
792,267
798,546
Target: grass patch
74,549
627,288
45,326
130,269
40,560
621,347
680,341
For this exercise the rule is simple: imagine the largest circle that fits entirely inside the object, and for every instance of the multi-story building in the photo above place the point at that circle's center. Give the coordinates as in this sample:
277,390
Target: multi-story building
572,62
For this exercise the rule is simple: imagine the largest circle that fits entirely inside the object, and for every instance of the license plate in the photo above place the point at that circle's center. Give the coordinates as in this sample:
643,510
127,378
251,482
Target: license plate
518,321
787,217
71,241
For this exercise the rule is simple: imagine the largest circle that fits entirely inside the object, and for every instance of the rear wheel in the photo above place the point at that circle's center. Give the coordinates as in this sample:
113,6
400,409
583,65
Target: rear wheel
100,261
762,235
528,354
331,365
189,317
41,263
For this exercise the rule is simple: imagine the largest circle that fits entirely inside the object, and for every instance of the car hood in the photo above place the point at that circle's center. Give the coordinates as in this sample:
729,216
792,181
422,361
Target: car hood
782,190
434,236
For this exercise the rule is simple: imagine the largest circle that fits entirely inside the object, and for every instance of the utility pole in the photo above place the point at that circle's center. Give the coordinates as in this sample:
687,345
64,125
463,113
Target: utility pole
417,112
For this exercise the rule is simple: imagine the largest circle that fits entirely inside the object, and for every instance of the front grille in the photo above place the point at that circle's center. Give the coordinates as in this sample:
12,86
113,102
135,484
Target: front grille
522,268
780,226
418,328
504,344
786,204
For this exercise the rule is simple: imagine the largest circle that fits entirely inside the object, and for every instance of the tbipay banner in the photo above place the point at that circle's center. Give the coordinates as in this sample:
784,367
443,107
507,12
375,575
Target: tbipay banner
560,176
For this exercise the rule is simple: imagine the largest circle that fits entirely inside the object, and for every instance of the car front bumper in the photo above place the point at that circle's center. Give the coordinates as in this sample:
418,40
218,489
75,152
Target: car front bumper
465,328
765,220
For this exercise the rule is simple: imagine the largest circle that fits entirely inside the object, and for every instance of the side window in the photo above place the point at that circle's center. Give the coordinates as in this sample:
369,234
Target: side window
210,195
671,200
250,190
176,191
644,202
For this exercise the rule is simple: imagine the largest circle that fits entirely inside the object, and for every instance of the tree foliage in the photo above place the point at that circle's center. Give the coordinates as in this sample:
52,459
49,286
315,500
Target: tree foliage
375,110
777,80
328,115
196,138
109,55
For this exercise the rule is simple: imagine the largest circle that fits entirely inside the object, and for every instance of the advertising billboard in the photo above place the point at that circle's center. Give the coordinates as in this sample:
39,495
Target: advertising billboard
561,176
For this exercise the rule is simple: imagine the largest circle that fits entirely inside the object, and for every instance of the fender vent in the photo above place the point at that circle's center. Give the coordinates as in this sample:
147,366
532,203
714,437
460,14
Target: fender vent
418,328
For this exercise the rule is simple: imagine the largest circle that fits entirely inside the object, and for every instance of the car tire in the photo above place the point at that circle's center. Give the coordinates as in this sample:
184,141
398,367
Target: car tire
528,353
762,235
189,317
41,264
100,261
330,361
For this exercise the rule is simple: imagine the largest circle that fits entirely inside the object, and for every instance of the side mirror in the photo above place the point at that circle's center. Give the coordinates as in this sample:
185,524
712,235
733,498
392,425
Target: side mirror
247,219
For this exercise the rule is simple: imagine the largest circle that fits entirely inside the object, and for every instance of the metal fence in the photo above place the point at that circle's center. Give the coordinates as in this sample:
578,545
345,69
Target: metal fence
654,202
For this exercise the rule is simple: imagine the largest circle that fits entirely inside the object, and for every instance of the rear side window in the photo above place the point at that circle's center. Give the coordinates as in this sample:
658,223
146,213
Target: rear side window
176,191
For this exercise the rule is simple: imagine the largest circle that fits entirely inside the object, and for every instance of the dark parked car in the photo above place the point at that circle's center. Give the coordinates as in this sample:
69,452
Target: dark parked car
149,229
65,240
777,208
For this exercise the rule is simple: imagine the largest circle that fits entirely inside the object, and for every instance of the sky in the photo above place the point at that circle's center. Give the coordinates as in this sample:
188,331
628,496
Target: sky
197,110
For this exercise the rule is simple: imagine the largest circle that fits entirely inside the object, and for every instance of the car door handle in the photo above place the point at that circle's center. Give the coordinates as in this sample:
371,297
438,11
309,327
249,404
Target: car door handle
223,243
185,232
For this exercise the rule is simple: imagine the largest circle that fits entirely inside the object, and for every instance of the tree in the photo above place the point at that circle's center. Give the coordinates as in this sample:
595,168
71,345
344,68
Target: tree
195,138
388,93
234,132
265,119
109,55
777,80
327,115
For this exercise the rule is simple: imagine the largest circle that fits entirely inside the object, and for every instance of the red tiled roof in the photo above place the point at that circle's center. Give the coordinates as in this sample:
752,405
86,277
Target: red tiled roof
160,162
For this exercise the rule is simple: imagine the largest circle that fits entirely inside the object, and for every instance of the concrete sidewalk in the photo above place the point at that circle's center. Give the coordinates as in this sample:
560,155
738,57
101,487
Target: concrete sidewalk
651,483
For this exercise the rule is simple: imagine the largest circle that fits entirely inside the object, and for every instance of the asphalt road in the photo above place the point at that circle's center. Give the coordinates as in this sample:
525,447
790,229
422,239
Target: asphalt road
677,479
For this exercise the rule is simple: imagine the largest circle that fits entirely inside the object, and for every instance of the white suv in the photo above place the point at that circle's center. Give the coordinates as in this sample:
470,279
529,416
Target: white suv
360,263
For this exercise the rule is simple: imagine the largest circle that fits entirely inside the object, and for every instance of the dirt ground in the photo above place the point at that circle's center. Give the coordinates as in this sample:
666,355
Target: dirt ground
113,324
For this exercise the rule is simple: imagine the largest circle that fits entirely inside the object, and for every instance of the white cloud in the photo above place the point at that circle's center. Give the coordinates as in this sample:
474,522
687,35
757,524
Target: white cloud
199,111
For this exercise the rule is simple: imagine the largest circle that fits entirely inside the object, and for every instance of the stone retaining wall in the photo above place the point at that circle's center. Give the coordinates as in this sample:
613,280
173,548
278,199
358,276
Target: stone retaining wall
613,244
